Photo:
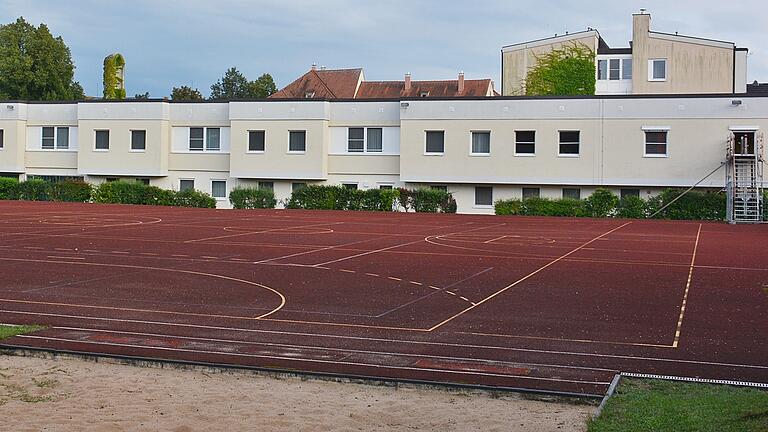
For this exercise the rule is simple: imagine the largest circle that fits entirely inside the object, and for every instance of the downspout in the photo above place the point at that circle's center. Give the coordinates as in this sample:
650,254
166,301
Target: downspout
733,73
502,72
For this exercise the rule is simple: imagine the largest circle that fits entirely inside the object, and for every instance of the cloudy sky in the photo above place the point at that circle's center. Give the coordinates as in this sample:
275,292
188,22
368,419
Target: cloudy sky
169,43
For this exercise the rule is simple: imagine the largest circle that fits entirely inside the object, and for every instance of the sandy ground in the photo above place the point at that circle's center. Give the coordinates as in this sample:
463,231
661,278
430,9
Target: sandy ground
67,394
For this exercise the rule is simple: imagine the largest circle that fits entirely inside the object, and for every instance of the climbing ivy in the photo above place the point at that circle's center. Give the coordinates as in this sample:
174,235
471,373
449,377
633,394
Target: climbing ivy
114,87
569,70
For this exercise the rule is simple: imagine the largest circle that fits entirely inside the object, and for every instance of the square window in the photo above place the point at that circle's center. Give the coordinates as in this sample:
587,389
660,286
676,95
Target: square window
481,143
629,192
62,138
219,189
102,140
355,140
374,141
530,192
48,138
297,186
297,141
657,70
656,143
626,69
435,142
268,185
615,69
569,143
213,139
572,193
186,184
196,139
483,196
602,69
525,142
349,185
256,140
138,140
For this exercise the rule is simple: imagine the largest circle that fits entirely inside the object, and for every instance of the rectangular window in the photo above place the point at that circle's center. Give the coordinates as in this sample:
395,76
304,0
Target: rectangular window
102,140
297,141
297,186
525,142
62,138
630,192
572,193
186,184
355,140
657,70
256,139
374,142
138,140
48,138
602,69
143,180
386,186
744,143
349,185
213,139
111,179
196,139
481,143
483,196
435,142
626,69
219,189
569,143
530,192
268,185
655,143
2,139
615,69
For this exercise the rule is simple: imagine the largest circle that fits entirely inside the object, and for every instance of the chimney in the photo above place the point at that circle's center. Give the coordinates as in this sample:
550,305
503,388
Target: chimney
641,23
314,66
407,81
461,82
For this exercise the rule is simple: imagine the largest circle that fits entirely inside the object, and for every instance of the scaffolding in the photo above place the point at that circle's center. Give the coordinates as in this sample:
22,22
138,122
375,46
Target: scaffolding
744,177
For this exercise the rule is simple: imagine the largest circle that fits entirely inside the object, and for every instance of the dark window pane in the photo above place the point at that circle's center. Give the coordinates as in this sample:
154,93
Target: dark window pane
62,138
572,193
213,143
659,69
143,180
219,189
102,140
386,187
186,185
525,136
374,142
355,139
569,149
660,149
350,185
196,133
268,185
297,186
435,142
630,192
48,138
2,138
656,137
196,139
522,148
615,64
530,193
297,141
256,140
626,69
569,136
483,195
138,140
602,69
356,133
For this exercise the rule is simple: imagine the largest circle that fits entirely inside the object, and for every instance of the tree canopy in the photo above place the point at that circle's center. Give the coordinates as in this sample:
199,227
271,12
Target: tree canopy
186,93
569,70
34,65
234,85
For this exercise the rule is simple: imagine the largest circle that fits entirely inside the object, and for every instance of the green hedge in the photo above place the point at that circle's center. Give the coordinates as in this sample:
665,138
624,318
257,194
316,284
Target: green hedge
603,203
315,197
252,198
129,192
9,188
71,191
427,200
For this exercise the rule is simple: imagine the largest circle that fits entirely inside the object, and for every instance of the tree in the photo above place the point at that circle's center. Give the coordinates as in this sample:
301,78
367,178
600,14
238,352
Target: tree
186,93
114,76
34,65
141,95
569,70
234,85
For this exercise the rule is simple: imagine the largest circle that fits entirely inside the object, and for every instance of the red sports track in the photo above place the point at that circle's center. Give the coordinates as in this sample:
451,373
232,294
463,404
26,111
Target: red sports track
547,304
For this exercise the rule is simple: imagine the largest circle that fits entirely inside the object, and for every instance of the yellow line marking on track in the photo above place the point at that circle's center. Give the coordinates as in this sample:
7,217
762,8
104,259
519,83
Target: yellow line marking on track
65,257
687,288
567,340
526,277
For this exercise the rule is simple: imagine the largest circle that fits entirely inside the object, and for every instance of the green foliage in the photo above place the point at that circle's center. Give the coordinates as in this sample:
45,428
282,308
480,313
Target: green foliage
120,192
114,67
426,200
9,188
569,70
130,192
252,198
193,198
602,203
7,330
508,207
186,93
341,198
693,205
234,85
631,207
34,65
71,191
34,190
141,96
554,207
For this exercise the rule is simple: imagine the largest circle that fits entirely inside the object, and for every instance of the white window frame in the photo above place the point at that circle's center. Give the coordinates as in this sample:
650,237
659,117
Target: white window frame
248,141
650,70
362,140
474,198
655,129
109,144
56,139
471,137
205,139
130,139
525,142
390,185
426,153
568,155
289,142
226,192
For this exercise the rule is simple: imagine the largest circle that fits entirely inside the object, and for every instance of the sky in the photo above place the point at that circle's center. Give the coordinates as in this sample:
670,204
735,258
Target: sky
169,43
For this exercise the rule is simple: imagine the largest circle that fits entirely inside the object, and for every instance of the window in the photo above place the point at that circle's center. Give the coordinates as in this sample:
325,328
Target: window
138,140
213,139
569,143
62,138
186,184
655,143
374,142
744,143
297,141
657,70
525,142
483,196
111,179
256,139
630,192
602,69
356,140
143,180
196,139
481,143
219,189
435,142
2,138
48,140
626,69
297,186
530,192
102,140
386,186
572,193
349,185
614,72
267,185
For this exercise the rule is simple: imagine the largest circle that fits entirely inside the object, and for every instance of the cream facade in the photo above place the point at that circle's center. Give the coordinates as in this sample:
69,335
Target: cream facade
481,150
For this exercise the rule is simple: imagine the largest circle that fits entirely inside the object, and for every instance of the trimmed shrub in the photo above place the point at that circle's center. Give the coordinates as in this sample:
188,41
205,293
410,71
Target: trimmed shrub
315,197
693,205
426,200
193,198
154,195
252,198
121,192
34,190
71,191
602,203
380,199
508,207
631,207
9,188
554,207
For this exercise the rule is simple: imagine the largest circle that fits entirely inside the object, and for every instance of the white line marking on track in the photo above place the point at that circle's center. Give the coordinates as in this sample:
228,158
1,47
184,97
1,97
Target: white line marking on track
65,257
394,278
687,288
347,271
372,274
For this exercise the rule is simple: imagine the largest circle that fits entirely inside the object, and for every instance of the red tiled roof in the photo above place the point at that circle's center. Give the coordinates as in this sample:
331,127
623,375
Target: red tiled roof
323,84
449,88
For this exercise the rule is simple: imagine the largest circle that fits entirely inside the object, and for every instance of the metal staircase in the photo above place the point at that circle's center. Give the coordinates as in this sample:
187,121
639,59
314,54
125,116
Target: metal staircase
744,177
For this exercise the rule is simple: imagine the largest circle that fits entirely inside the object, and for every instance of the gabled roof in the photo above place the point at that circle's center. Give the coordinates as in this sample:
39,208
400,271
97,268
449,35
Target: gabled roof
447,88
323,84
